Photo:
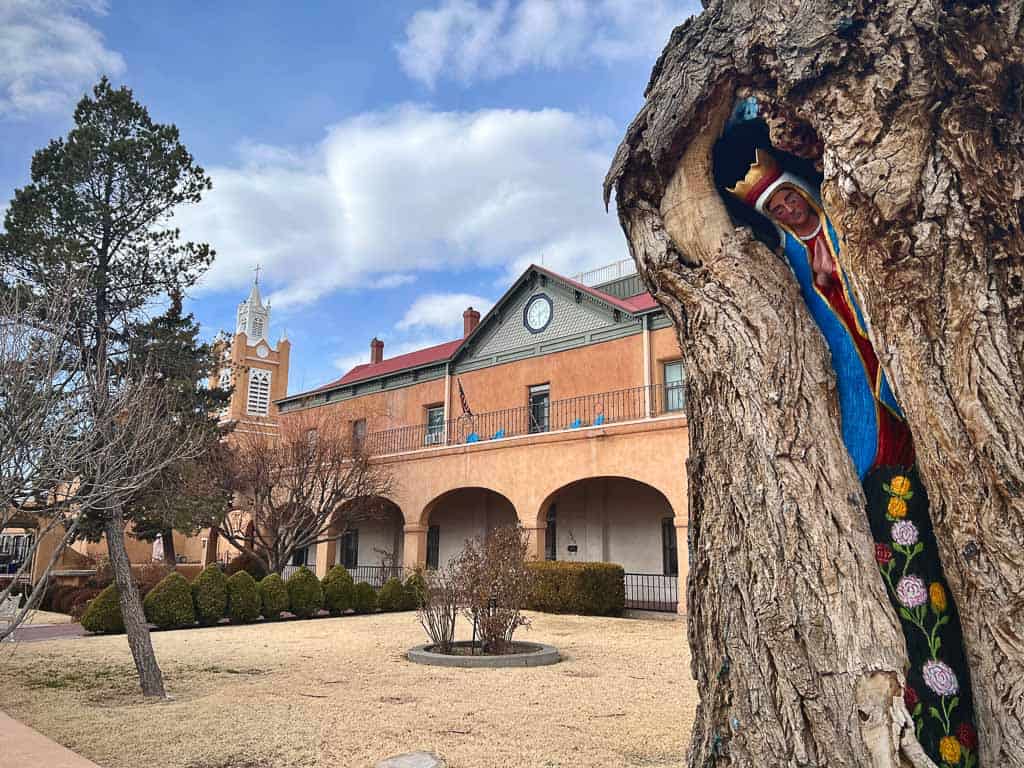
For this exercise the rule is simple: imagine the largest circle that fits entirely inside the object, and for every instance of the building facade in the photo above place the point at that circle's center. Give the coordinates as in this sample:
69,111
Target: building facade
562,410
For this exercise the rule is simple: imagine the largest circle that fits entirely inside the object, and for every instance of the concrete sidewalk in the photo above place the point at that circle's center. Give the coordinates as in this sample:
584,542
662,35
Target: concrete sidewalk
20,745
33,633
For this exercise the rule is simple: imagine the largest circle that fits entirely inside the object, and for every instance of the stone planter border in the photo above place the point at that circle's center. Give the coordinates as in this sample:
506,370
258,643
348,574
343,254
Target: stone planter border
539,655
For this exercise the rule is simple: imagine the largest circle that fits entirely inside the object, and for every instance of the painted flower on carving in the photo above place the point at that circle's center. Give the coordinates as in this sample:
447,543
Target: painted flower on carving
911,592
967,736
940,678
949,748
883,554
899,485
937,597
905,533
910,698
897,508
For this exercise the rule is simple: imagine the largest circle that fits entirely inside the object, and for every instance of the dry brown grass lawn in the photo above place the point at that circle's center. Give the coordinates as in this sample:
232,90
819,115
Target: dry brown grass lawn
339,692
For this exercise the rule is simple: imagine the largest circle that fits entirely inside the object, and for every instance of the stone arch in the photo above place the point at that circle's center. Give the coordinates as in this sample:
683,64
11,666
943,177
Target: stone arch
462,513
613,518
373,537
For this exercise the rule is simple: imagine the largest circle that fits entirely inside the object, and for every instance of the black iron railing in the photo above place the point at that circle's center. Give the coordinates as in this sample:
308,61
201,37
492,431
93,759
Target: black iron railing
376,575
652,592
544,416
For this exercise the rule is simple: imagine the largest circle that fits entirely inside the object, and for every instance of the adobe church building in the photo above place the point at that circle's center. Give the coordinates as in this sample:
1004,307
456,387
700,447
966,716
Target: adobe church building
562,409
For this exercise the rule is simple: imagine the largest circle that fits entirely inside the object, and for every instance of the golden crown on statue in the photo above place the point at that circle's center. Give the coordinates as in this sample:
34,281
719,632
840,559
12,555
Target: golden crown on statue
762,172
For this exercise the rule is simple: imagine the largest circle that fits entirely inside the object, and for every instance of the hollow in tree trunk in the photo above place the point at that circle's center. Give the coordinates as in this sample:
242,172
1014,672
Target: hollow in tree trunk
913,111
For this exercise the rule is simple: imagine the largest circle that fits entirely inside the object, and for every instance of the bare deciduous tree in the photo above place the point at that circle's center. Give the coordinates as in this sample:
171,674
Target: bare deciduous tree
55,473
297,486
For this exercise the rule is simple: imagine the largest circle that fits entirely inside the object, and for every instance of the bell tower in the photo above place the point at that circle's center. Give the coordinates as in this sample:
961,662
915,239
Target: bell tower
256,370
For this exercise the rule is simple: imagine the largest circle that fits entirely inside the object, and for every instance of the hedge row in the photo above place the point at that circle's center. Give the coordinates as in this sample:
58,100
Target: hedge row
587,589
212,596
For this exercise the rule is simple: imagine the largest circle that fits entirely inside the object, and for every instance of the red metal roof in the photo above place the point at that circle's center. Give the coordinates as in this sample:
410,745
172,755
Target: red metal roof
435,354
440,352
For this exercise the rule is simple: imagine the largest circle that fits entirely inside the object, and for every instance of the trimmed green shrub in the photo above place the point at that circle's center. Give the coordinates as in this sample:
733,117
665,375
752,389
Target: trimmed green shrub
392,596
246,562
243,598
273,597
305,595
169,603
364,599
338,590
103,614
210,595
587,589
415,589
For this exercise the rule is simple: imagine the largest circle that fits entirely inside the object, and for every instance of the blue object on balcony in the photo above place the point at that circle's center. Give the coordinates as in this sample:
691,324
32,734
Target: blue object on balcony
473,437
599,420
576,424
499,434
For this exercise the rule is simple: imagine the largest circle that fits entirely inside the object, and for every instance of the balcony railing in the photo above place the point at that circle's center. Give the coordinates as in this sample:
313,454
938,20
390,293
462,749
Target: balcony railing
539,416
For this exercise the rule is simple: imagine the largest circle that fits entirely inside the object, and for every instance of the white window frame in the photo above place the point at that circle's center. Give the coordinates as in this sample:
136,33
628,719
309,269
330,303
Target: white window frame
257,401
675,392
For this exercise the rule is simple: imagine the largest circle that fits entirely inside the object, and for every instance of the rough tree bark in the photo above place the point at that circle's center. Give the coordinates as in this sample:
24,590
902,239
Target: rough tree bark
136,628
915,109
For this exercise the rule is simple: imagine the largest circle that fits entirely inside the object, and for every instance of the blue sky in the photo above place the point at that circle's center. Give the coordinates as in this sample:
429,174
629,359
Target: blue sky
386,163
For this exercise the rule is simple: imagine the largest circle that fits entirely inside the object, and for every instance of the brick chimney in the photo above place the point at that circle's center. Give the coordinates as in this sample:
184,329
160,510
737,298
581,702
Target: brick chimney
470,320
376,350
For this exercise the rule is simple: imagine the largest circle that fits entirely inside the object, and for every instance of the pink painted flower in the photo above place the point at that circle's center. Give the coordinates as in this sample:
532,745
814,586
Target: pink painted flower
911,591
904,532
940,678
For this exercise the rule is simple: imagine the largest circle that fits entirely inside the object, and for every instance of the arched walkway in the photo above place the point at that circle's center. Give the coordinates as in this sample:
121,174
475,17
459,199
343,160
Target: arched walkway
461,514
369,543
611,519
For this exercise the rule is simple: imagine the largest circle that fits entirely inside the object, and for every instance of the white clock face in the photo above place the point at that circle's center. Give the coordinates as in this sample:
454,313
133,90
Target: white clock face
538,313
262,351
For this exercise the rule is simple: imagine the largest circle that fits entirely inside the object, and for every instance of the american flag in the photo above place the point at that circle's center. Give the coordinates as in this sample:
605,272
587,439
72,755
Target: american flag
465,403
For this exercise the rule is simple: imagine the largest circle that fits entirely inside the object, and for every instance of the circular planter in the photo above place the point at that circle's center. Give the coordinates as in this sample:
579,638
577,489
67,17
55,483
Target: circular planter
533,655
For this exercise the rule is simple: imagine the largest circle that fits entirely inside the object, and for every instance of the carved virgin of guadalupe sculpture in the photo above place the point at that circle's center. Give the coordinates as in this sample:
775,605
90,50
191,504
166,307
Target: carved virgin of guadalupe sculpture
938,690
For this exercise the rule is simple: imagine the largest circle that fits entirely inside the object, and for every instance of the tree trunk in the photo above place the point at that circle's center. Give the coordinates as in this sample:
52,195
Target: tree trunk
135,625
916,112
167,539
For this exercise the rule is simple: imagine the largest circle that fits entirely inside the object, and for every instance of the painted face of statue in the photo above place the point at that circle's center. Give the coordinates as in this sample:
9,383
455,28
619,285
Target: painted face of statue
789,208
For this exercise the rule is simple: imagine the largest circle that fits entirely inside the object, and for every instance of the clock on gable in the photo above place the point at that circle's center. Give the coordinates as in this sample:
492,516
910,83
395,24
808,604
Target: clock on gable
538,312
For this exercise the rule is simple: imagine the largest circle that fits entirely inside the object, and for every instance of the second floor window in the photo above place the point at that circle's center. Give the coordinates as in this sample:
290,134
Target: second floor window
258,401
675,397
540,406
435,425
359,431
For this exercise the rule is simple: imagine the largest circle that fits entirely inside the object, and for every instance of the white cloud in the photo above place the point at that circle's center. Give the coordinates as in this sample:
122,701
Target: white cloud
468,40
49,55
442,311
399,192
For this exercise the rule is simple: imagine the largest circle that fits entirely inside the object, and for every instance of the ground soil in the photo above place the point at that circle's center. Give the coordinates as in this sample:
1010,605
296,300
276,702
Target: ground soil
339,692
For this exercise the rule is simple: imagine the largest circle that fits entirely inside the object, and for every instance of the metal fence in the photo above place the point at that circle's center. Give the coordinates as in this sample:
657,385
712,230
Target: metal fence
543,416
376,575
652,592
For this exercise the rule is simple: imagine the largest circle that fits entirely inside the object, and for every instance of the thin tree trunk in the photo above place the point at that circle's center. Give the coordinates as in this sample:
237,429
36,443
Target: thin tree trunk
167,538
135,625
915,109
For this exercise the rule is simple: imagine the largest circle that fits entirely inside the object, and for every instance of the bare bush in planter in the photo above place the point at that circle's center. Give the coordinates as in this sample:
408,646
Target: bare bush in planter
439,606
494,585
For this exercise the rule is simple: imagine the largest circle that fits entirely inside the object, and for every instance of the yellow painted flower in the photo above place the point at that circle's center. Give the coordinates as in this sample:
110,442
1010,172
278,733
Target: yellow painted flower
949,748
937,595
897,507
899,485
